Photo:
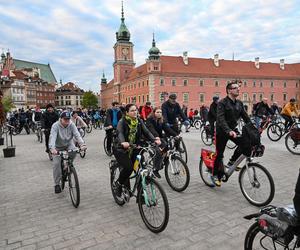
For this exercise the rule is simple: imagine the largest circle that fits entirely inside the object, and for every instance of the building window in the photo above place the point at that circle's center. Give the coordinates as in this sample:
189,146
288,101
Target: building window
284,97
201,82
185,82
143,99
139,99
245,97
272,84
185,97
261,84
147,82
272,97
139,84
76,102
284,84
297,84
162,97
162,82
245,83
155,68
135,86
260,96
147,98
216,83
173,82
202,97
254,84
254,97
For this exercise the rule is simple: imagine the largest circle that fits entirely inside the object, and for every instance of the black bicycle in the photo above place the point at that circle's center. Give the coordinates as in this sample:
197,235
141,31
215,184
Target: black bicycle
69,175
109,151
150,196
274,227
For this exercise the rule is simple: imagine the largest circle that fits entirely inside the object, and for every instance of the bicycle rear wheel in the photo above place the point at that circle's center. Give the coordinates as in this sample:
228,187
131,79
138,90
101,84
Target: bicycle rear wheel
292,144
274,132
156,214
177,175
206,138
256,184
205,174
74,187
114,175
89,128
107,152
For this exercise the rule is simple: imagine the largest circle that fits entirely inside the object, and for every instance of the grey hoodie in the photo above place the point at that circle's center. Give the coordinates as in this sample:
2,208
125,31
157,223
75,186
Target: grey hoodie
62,137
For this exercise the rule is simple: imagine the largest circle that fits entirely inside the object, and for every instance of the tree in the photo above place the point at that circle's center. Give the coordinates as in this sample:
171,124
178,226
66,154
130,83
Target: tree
8,104
89,100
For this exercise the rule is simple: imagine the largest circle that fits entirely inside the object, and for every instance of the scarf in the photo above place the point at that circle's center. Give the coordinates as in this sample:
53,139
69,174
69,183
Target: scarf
132,124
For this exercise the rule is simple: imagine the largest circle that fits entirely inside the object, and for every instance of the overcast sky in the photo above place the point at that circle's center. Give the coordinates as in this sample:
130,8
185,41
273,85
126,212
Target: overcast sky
76,36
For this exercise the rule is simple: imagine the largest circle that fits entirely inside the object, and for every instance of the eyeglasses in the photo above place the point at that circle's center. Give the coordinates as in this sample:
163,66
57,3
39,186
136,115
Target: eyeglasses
235,87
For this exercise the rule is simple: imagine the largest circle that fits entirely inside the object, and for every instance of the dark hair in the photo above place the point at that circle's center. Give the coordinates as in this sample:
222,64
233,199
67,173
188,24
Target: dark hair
148,103
74,112
152,115
228,86
114,103
293,100
128,106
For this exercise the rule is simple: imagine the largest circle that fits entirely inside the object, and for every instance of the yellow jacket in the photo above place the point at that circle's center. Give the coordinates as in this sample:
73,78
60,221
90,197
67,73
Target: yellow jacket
289,108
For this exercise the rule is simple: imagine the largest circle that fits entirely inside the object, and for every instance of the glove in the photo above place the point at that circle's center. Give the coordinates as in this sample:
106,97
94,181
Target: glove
83,147
186,123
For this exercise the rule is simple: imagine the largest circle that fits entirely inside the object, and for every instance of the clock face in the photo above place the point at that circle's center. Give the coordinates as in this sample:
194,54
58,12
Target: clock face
125,51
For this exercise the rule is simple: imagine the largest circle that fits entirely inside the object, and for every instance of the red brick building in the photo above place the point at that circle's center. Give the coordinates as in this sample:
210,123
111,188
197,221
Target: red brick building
194,80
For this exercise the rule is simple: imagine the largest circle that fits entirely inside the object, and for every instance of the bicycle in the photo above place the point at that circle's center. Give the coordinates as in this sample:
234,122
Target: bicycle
196,123
279,130
292,139
274,226
109,152
150,196
258,176
69,175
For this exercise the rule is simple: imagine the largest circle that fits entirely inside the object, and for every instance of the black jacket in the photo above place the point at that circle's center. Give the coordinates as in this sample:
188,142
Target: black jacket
212,113
228,113
262,109
48,119
157,128
123,132
171,111
109,117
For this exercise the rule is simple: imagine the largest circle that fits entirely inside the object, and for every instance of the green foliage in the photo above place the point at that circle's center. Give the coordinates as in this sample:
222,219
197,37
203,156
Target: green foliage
89,100
8,104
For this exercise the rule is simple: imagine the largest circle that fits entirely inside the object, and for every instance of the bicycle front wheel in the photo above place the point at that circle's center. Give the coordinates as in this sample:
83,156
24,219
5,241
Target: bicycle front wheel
114,175
89,128
177,174
206,138
197,124
274,132
107,152
74,187
82,153
292,144
183,151
256,184
155,215
205,174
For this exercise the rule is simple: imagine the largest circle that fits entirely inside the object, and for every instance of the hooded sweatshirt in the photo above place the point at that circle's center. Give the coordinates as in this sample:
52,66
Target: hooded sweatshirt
62,137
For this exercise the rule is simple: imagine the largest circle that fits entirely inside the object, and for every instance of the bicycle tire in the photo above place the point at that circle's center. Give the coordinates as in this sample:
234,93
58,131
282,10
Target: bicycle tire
274,132
185,172
295,144
253,166
89,128
141,204
113,178
82,153
184,154
95,125
203,170
105,147
205,139
74,198
197,124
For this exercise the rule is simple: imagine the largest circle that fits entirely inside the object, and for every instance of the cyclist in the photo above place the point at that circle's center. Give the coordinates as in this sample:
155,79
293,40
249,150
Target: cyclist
146,111
275,109
287,113
48,118
261,111
171,111
130,130
203,114
23,119
156,125
61,138
229,111
78,121
212,115
37,115
113,116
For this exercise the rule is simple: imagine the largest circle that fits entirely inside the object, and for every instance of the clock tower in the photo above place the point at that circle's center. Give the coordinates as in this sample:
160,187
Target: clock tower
123,63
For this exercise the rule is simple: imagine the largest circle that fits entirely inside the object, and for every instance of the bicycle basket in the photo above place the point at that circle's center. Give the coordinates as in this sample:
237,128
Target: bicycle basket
272,225
258,151
208,157
295,134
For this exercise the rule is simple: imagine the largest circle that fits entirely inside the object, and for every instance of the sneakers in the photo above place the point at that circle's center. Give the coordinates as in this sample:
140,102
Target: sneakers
118,189
215,180
156,173
57,189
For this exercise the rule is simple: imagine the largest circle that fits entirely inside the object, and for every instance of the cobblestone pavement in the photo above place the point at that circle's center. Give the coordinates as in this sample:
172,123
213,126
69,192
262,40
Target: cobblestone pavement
33,217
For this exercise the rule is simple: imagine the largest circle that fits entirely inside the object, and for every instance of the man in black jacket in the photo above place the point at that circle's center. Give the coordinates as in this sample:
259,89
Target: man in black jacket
262,110
48,119
229,111
212,115
113,116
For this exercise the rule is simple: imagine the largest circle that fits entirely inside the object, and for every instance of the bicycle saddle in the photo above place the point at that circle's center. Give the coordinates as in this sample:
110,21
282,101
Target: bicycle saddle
288,214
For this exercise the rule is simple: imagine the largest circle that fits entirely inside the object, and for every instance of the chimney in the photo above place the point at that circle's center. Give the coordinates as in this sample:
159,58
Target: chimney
185,58
216,60
282,64
257,62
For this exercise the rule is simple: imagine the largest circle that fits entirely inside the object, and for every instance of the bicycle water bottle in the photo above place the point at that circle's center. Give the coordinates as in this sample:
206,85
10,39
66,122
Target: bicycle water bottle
136,163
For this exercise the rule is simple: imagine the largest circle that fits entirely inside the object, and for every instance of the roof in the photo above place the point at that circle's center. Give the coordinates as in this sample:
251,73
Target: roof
137,72
230,68
17,74
70,86
45,69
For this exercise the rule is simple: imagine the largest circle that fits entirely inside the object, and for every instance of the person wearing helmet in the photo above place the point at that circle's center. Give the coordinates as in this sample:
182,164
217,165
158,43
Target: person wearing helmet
61,138
288,111
212,115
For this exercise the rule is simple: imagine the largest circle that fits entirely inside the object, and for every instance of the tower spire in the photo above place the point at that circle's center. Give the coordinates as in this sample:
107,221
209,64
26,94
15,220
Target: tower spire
122,13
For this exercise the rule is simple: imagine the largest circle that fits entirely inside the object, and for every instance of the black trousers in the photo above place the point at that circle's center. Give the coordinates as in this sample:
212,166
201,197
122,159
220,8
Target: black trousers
296,199
47,135
221,141
109,135
212,127
288,121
